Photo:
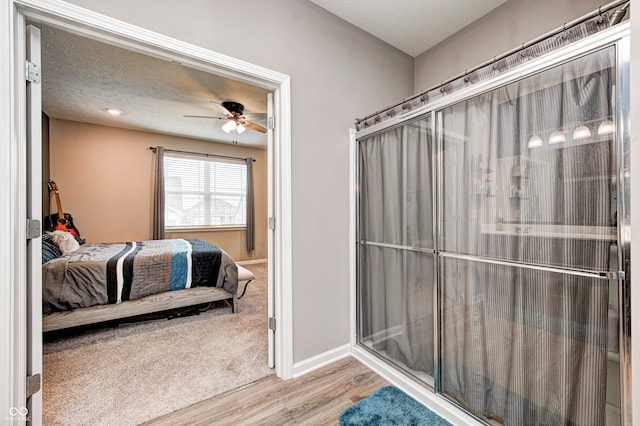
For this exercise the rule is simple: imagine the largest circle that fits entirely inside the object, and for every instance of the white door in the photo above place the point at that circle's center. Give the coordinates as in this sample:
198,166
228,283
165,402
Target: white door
34,211
270,238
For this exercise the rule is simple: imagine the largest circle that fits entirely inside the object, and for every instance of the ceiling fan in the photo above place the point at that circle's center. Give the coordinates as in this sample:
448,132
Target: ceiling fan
235,118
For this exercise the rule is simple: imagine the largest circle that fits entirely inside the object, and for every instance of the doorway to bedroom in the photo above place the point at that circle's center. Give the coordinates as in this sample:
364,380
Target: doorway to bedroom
103,171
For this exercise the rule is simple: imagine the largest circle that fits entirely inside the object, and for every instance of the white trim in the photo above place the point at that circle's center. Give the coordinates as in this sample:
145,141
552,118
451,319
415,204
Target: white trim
283,273
435,403
94,25
271,336
33,129
13,188
250,262
12,334
19,192
318,361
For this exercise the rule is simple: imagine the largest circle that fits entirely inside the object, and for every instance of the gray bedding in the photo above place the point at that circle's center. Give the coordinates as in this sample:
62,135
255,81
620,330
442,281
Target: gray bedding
98,274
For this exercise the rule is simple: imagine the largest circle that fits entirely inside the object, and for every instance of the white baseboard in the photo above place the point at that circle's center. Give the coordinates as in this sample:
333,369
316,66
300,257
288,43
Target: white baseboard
310,364
435,403
250,262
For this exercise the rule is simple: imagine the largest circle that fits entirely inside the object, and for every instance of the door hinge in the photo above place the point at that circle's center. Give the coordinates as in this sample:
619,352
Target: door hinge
272,323
32,72
33,384
33,229
271,123
272,223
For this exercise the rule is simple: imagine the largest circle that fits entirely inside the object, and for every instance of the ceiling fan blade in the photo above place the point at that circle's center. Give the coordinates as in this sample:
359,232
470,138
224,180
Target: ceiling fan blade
221,108
205,116
255,116
254,126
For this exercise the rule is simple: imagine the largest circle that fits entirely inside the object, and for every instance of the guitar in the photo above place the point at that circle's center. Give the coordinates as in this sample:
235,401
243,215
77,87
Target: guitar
59,221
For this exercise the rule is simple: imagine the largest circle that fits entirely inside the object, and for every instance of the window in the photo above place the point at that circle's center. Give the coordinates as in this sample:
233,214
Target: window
201,192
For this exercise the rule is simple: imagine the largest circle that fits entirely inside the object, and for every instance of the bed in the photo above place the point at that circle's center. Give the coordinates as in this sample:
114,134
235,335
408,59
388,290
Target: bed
90,283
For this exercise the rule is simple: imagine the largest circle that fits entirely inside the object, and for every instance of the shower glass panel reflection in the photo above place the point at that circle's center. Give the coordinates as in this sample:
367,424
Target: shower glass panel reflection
527,235
395,247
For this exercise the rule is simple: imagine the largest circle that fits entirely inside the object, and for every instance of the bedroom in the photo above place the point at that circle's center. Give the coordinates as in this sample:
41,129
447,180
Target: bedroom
320,196
104,172
101,162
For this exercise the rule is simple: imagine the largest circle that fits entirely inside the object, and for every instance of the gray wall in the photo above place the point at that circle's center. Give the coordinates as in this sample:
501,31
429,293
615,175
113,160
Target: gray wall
337,73
504,28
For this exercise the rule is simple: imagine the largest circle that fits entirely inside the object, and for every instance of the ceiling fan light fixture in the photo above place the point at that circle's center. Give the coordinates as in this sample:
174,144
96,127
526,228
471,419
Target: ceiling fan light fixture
234,118
229,126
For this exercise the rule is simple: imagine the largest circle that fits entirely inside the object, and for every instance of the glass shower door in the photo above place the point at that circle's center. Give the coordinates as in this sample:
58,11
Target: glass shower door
395,247
527,238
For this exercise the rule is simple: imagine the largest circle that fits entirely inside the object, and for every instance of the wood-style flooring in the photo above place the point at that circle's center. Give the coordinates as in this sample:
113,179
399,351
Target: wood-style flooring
315,399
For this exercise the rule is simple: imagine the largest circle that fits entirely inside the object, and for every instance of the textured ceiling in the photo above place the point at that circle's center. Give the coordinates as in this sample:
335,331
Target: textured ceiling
412,26
82,77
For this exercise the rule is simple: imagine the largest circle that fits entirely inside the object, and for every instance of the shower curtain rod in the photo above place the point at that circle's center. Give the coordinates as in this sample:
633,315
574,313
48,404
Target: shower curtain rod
495,59
204,154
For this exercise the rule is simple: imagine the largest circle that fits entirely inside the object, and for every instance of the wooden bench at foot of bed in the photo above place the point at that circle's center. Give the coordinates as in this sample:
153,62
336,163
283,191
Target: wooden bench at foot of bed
145,305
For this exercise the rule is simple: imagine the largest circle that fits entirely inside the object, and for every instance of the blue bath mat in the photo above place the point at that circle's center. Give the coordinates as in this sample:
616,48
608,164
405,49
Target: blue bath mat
390,406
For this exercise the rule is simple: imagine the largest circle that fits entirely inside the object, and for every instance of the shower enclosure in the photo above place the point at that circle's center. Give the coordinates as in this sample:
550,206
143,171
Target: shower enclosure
493,242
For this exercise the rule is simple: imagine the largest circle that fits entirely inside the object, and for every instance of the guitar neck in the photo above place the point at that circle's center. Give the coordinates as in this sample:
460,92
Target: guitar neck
59,204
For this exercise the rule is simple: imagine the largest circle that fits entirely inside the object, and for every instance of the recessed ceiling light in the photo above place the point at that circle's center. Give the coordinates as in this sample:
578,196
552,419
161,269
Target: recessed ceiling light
114,111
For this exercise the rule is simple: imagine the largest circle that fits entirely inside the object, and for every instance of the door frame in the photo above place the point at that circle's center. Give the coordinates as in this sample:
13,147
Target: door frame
13,187
33,109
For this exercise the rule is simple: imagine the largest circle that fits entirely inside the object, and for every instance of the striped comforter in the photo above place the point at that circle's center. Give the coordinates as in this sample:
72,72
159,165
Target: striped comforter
98,274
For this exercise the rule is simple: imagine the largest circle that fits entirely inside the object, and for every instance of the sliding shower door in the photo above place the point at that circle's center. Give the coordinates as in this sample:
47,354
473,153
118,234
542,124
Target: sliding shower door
528,248
395,247
493,242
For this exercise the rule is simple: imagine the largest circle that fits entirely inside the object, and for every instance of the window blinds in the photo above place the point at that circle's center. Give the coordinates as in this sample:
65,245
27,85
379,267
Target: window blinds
202,192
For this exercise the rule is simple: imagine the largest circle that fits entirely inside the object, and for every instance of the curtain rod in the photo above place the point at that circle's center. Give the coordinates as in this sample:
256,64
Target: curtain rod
204,154
466,73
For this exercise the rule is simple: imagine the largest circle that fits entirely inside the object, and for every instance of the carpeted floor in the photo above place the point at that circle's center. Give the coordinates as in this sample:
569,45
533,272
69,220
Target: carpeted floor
137,372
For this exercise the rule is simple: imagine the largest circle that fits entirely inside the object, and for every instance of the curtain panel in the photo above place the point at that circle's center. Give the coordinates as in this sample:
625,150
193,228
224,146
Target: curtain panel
158,196
250,229
396,284
521,184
